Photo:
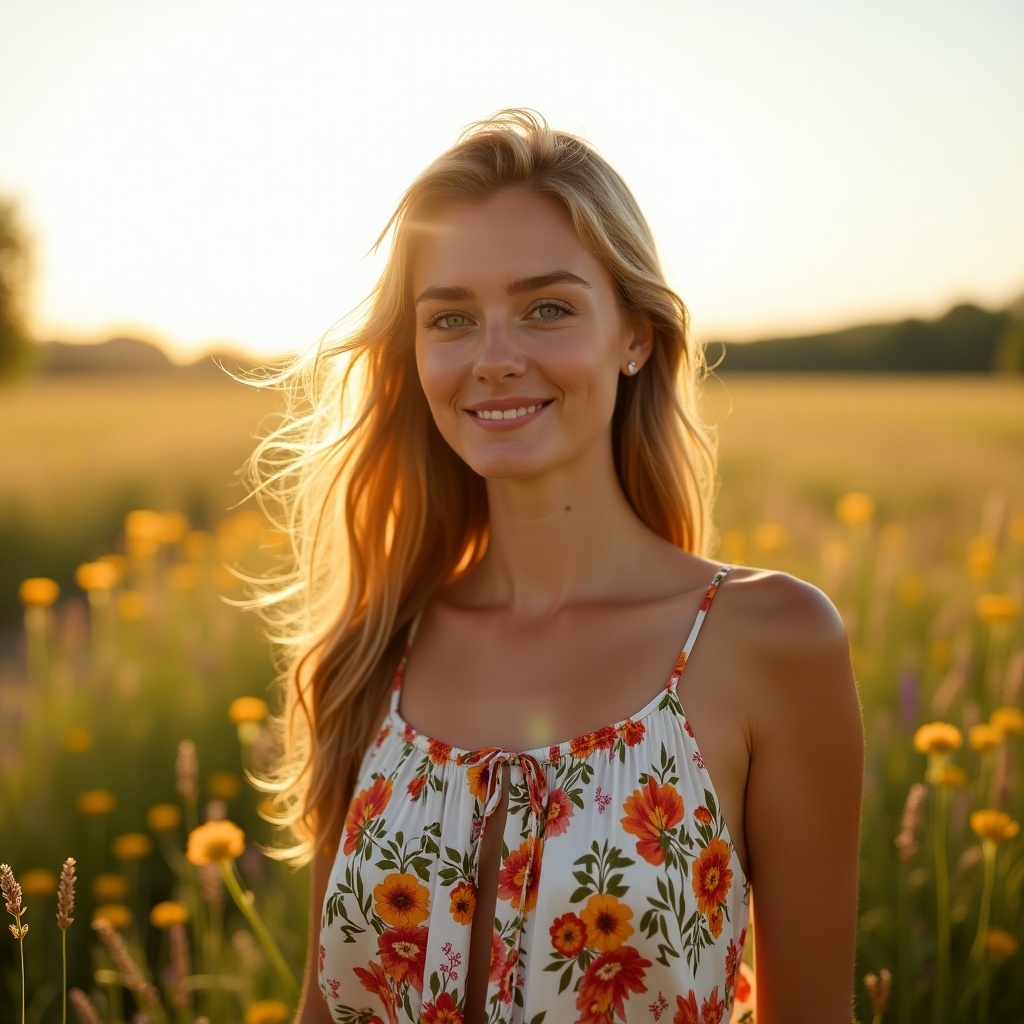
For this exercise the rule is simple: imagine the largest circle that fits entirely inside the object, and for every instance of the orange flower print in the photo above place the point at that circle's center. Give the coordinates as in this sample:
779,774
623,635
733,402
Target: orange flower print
605,738
438,752
711,876
478,776
607,922
583,746
631,732
715,919
463,902
513,875
733,959
650,813
560,810
403,952
703,815
568,935
415,787
401,900
687,1012
497,958
443,1010
508,976
712,1009
379,984
607,982
367,804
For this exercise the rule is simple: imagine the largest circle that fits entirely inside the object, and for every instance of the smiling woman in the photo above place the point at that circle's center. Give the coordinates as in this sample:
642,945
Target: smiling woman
513,818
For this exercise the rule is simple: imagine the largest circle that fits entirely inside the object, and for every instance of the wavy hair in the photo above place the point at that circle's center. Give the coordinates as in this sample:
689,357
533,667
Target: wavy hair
380,511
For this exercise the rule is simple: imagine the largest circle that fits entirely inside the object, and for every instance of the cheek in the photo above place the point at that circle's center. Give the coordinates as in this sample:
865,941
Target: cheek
438,374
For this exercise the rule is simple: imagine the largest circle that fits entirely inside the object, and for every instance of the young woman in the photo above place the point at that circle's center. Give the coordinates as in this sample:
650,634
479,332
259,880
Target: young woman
521,801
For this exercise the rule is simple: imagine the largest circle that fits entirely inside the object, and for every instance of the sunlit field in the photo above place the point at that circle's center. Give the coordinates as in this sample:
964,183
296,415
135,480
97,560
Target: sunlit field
125,735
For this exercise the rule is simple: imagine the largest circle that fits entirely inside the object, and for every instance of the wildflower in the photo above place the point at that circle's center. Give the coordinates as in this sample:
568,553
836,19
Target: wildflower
223,785
167,914
38,592
855,508
1000,943
997,608
144,532
77,740
949,775
186,767
131,846
769,538
181,964
247,709
163,817
266,1011
117,915
38,882
878,986
96,576
96,803
87,1012
993,826
131,971
109,887
938,738
910,822
1009,721
984,737
215,842
66,895
12,898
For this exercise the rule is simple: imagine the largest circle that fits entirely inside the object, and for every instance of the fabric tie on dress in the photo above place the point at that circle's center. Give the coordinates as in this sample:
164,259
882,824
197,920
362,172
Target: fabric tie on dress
536,783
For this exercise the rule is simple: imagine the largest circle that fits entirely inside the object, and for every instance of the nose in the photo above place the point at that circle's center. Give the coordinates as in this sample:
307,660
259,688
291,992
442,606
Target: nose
498,356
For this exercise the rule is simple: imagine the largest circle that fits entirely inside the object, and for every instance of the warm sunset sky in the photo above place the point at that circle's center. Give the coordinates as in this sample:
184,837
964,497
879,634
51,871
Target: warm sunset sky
214,171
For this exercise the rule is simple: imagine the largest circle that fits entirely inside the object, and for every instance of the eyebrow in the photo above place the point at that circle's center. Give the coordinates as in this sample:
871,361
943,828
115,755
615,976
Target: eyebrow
523,284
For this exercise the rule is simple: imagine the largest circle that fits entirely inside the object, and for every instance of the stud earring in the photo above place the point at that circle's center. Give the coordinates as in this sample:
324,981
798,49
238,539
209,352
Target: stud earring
631,367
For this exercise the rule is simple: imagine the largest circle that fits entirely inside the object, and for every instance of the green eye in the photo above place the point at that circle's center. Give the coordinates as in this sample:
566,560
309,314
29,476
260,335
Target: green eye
549,311
453,321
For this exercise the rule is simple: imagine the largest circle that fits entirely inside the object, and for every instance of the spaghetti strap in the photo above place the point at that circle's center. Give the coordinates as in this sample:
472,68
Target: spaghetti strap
701,616
396,686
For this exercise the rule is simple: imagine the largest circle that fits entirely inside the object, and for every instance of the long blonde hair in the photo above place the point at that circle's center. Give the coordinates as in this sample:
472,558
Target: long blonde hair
382,513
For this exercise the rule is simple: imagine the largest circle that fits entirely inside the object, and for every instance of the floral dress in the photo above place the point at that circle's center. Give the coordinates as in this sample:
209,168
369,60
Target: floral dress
620,895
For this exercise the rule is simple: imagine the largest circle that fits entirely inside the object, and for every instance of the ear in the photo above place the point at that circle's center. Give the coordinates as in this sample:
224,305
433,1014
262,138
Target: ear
639,341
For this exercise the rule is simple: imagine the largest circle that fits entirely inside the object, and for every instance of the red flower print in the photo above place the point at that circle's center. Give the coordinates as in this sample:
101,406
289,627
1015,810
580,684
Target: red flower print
568,935
711,876
438,752
732,961
606,737
366,805
497,958
513,875
703,815
403,952
377,982
383,735
555,753
680,663
408,734
687,1012
415,787
715,919
742,986
508,976
443,1010
712,1008
650,813
632,732
608,981
560,810
463,902
583,746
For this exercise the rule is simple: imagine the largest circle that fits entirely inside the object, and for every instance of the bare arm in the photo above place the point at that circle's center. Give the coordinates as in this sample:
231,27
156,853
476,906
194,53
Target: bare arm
802,814
312,1008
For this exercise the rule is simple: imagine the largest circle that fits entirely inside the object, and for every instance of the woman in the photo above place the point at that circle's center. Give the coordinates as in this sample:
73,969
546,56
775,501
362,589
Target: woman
509,815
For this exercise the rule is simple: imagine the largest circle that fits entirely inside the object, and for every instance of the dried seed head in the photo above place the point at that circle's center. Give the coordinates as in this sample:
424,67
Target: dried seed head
11,891
66,895
87,1012
181,963
910,822
878,986
186,767
133,976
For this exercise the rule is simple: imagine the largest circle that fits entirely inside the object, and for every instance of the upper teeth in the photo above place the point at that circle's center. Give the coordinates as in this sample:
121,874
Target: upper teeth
505,414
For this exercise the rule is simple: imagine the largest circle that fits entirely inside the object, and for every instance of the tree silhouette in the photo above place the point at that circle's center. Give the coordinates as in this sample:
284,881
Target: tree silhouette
15,345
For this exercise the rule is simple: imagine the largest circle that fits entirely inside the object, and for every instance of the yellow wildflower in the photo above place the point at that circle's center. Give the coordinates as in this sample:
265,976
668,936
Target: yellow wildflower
1000,943
769,538
247,709
144,532
117,914
118,562
131,846
1009,721
77,740
163,817
96,576
167,914
949,775
214,842
94,803
997,608
223,785
38,592
267,1011
855,508
39,882
993,826
984,737
110,887
938,738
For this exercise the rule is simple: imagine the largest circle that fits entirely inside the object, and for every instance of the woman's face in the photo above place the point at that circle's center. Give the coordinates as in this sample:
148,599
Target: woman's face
520,340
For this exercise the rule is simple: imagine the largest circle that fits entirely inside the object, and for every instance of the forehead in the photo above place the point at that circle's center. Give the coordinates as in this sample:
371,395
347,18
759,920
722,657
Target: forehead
508,237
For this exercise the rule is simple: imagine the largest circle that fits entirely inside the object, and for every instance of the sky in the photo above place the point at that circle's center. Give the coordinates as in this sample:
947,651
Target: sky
213,173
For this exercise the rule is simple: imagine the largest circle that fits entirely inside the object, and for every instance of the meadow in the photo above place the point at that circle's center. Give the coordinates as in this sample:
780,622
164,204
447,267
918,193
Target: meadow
131,694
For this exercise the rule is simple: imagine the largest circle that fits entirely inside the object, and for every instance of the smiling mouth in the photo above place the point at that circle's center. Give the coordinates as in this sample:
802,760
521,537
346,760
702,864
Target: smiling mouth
507,414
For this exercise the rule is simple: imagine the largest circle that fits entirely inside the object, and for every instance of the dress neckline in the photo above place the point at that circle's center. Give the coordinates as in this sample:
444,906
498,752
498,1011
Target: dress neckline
589,741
